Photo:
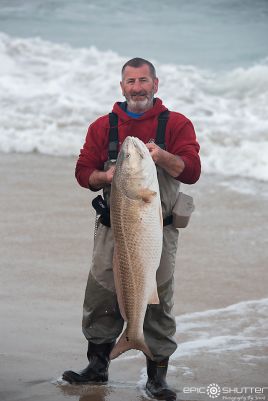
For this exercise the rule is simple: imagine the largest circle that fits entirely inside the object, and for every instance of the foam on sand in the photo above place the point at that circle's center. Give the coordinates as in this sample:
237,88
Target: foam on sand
238,327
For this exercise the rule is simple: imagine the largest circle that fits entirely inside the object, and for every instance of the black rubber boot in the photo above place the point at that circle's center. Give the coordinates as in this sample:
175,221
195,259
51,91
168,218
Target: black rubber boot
97,369
156,385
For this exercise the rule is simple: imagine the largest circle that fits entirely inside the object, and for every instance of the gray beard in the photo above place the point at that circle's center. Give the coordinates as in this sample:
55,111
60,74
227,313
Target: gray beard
140,106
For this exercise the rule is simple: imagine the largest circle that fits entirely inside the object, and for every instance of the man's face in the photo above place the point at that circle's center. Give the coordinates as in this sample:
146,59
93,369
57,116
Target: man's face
138,86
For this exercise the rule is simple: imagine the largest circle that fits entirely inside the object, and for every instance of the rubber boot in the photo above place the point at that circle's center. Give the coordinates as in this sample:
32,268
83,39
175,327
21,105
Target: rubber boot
156,385
97,369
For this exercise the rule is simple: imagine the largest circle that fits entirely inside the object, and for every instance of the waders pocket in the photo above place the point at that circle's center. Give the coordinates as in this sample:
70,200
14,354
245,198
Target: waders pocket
182,210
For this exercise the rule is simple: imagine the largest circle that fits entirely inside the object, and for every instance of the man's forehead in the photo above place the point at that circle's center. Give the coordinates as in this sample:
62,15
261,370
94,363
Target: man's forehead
136,72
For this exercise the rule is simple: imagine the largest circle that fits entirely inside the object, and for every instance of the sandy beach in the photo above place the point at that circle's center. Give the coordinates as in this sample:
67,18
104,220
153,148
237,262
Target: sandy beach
47,227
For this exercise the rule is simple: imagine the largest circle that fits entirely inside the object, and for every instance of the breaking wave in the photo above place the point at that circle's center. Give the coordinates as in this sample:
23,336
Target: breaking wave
49,93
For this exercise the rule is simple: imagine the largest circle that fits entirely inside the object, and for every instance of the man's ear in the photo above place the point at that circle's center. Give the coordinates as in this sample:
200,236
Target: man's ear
121,84
156,82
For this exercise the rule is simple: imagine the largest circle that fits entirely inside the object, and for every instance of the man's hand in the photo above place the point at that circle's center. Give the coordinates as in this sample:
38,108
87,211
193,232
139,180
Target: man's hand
98,179
110,174
155,151
173,164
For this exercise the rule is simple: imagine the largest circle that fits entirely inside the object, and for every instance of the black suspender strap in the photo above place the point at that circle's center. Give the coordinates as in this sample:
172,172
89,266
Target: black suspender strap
113,133
161,129
113,136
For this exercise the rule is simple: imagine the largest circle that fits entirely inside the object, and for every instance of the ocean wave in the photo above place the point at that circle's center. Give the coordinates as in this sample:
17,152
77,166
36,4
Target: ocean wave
239,327
49,93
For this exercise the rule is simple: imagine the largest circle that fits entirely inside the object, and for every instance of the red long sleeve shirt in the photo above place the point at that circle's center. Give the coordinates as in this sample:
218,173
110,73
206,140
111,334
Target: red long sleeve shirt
180,139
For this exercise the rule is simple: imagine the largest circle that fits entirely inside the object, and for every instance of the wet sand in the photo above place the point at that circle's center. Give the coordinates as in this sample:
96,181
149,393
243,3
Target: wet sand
47,232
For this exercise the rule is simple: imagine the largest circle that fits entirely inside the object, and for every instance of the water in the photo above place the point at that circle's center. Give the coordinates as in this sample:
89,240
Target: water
239,327
60,65
211,33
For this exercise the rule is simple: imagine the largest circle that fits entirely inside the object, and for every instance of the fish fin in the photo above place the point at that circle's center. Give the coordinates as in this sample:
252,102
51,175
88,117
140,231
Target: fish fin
147,194
124,344
154,299
117,285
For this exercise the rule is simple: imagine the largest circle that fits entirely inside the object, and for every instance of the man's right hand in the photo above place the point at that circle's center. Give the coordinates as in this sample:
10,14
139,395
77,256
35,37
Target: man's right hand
98,179
110,174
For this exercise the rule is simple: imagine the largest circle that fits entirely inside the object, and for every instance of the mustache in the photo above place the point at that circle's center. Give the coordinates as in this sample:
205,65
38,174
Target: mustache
141,93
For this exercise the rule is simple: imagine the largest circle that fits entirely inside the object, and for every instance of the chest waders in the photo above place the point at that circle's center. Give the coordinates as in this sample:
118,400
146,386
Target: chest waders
169,188
102,322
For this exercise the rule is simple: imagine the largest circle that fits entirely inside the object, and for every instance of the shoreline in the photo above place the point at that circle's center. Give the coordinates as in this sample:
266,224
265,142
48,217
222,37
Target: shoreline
48,228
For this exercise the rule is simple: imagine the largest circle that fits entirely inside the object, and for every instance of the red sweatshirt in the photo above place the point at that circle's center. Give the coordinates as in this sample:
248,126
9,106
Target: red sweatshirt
180,140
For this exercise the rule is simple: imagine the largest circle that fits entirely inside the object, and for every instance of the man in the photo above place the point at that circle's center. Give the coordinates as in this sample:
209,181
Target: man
177,160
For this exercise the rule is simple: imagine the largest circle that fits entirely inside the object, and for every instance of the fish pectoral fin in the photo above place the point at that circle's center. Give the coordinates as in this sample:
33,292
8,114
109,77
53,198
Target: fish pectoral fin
147,194
154,299
125,344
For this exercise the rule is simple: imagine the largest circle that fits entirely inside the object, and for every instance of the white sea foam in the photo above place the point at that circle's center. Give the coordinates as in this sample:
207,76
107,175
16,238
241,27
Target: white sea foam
49,93
240,327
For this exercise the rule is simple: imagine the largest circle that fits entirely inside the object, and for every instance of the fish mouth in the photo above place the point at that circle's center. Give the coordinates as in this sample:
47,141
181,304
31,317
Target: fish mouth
138,145
131,158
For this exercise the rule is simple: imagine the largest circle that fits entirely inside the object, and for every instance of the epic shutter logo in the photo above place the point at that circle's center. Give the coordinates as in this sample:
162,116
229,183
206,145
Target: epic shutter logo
213,390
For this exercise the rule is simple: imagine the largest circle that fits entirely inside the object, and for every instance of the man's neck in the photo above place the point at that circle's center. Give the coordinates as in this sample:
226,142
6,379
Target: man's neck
133,115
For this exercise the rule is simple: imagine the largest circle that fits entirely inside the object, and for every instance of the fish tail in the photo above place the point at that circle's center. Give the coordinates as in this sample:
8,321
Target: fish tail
125,344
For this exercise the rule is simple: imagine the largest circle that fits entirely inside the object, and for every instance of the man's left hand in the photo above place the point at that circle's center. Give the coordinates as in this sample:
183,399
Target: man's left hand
173,164
155,152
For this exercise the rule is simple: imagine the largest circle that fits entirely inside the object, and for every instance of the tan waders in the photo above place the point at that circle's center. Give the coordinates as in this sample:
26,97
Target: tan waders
102,322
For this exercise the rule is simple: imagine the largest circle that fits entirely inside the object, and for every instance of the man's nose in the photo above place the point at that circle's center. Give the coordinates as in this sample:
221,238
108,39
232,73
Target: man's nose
137,86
